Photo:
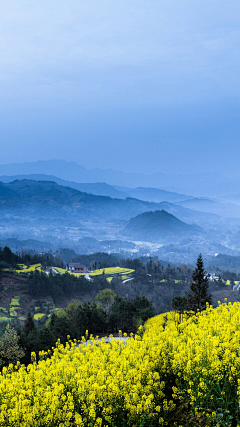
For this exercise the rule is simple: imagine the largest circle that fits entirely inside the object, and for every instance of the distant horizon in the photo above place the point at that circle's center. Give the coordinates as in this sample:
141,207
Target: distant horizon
233,175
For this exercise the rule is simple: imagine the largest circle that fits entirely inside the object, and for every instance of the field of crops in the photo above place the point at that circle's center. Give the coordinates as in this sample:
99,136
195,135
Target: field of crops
109,271
8,314
30,269
59,270
191,364
16,310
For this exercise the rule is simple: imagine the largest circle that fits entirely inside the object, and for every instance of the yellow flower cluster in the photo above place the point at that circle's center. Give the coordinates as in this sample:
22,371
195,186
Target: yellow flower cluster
205,358
83,384
134,382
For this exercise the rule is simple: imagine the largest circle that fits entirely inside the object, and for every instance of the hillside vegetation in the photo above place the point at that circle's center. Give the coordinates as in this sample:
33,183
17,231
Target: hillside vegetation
179,372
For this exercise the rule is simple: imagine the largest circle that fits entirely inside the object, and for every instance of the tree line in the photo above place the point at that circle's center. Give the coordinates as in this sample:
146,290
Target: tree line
77,318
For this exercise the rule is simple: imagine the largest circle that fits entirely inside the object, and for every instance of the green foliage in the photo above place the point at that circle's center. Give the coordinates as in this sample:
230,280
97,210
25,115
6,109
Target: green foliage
4,319
29,324
127,314
180,304
197,297
198,294
10,351
78,317
12,312
8,257
56,286
106,298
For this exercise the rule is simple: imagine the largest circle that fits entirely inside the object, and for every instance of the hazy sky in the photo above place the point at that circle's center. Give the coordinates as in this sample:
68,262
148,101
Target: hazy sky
124,84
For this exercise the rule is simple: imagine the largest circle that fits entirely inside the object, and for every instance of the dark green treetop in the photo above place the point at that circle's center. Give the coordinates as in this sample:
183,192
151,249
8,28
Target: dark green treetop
198,294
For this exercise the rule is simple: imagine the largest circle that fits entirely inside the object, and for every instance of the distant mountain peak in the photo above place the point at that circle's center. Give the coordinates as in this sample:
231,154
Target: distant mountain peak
156,225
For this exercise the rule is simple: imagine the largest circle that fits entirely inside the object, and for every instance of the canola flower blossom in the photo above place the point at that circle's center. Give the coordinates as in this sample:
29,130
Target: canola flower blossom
142,380
86,385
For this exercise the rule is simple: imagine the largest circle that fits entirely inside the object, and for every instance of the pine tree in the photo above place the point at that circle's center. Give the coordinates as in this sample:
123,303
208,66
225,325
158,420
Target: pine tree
198,294
29,324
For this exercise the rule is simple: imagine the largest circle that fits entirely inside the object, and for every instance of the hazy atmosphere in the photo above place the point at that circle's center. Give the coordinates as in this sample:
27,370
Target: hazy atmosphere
119,213
127,85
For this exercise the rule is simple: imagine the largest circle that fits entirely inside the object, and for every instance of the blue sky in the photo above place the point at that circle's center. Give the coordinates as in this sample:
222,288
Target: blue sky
129,85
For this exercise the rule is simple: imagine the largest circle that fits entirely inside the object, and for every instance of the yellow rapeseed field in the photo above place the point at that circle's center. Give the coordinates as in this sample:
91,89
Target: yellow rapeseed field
143,381
30,269
106,271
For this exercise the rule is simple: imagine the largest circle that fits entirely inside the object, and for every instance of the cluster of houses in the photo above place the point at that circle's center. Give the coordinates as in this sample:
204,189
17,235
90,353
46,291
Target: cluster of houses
77,268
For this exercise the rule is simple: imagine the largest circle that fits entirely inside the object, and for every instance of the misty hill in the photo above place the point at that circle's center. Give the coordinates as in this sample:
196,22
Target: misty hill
228,210
155,195
149,194
224,261
158,225
231,198
87,245
47,200
97,188
196,184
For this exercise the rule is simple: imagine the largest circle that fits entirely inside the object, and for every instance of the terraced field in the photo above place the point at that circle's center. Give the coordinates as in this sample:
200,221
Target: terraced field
8,314
16,304
109,271
19,306
30,269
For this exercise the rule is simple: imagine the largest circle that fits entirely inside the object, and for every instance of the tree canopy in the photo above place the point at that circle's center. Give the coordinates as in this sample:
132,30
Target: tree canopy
198,295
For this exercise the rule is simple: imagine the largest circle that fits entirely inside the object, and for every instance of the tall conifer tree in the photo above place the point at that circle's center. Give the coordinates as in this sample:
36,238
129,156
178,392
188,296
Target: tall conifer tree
198,294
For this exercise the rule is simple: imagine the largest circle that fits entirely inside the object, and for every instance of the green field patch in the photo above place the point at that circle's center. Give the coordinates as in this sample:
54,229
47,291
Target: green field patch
22,266
12,312
30,269
39,316
5,319
15,301
22,318
60,270
109,279
3,309
54,310
228,282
